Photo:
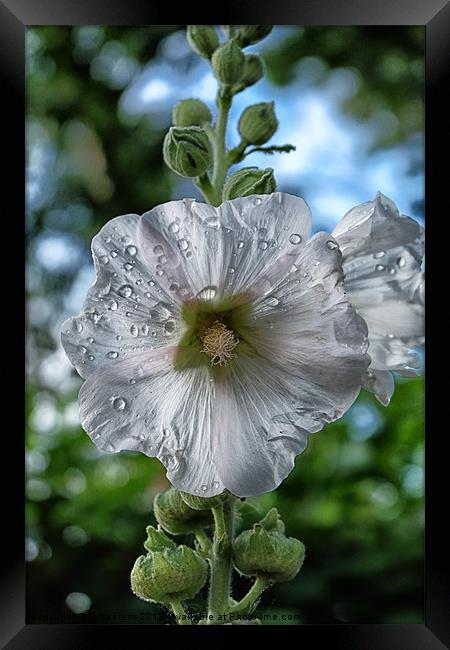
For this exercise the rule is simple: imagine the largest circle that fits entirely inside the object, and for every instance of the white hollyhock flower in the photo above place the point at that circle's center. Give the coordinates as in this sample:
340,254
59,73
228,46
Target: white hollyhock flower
382,253
216,339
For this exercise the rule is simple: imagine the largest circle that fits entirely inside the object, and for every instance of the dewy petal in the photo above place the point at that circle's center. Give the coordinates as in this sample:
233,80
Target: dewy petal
302,369
306,323
382,256
142,403
132,306
245,243
262,419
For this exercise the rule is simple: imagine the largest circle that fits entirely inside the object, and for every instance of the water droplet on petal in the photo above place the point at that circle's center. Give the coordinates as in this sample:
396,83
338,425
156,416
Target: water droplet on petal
331,245
204,487
174,227
104,259
118,337
169,327
241,244
114,253
119,403
295,238
212,222
207,293
113,305
91,357
401,262
257,201
380,267
90,339
134,331
263,245
112,354
158,250
82,349
380,254
183,245
128,266
131,250
126,290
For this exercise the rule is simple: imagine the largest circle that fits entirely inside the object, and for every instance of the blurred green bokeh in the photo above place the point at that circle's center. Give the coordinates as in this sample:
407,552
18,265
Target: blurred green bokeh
355,497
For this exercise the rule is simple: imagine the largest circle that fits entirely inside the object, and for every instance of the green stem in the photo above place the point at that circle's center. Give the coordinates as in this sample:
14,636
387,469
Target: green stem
219,156
206,188
179,612
204,541
219,591
248,603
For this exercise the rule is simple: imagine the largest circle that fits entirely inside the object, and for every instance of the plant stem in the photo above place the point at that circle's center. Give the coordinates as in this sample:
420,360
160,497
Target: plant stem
179,612
219,590
204,541
219,157
206,188
247,604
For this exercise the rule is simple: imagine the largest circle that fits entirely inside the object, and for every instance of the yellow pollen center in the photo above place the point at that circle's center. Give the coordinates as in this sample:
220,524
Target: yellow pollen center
219,343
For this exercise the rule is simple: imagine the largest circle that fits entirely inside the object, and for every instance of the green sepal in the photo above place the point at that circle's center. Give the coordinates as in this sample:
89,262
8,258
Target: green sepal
176,517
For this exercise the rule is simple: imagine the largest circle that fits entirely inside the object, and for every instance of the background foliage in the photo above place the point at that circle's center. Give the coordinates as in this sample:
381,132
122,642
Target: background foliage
99,103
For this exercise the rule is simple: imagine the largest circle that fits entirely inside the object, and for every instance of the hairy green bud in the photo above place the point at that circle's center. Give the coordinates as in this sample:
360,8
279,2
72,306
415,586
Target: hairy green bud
203,39
248,181
190,112
258,123
228,63
173,573
249,34
186,150
253,71
176,517
266,551
204,503
157,540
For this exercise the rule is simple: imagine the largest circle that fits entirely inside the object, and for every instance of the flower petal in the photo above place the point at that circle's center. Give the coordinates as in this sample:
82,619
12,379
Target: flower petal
262,419
381,384
130,307
306,324
382,253
143,404
246,242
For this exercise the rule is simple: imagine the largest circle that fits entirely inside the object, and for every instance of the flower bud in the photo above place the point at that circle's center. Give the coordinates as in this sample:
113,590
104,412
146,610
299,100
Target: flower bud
175,516
173,573
203,39
157,540
249,34
266,551
258,123
253,71
248,181
186,150
228,63
205,503
190,112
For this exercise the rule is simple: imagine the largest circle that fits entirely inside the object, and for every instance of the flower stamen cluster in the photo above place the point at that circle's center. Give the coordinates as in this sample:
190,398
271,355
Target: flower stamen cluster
219,343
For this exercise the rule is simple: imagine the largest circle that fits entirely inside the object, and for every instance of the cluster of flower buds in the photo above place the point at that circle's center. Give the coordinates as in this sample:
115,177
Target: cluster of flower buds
171,573
190,144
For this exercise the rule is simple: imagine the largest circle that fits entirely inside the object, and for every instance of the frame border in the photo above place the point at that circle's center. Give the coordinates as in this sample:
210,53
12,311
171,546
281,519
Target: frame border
434,15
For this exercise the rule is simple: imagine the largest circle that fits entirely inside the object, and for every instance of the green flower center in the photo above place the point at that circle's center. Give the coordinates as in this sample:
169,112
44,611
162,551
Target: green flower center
212,332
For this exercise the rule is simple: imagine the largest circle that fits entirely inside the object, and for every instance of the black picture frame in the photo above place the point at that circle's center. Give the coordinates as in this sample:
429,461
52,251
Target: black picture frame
434,15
